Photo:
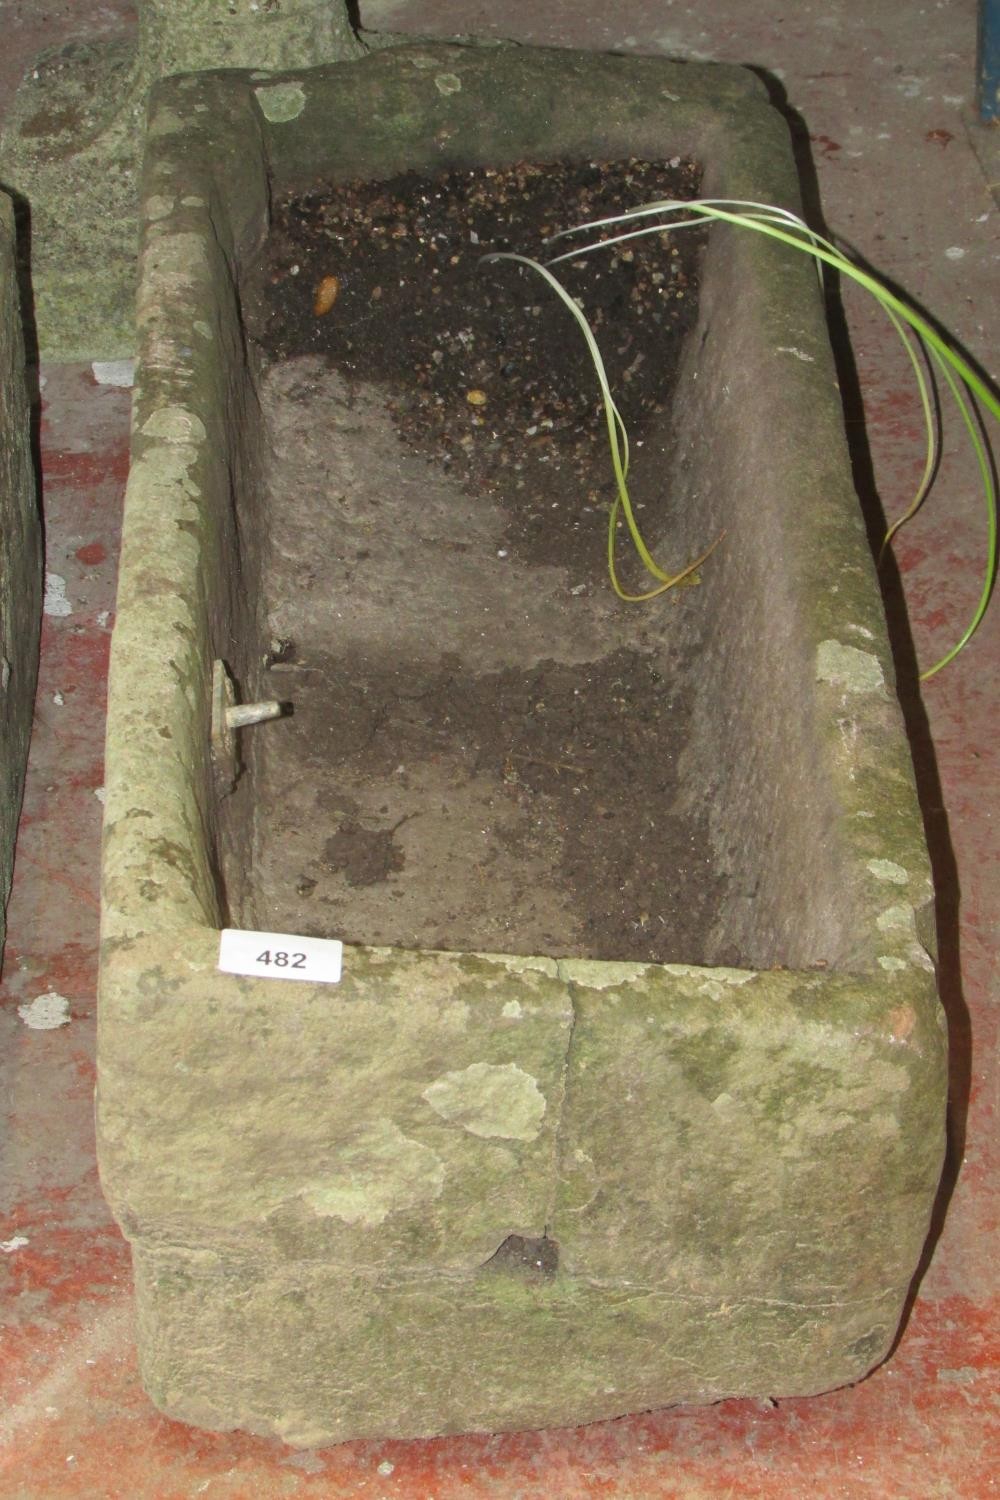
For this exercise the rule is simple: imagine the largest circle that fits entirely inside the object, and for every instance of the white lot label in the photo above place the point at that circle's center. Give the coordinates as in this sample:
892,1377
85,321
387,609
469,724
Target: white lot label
280,955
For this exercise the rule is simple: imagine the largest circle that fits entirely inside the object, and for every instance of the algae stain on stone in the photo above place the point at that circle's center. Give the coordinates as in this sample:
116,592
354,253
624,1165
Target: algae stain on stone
489,1100
380,1172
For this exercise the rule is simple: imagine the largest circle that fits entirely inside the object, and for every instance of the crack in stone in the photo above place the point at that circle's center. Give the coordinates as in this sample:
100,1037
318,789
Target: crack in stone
391,1274
559,1130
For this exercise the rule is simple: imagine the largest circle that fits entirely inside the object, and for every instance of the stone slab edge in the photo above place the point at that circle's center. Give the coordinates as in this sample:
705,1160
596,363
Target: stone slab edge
20,558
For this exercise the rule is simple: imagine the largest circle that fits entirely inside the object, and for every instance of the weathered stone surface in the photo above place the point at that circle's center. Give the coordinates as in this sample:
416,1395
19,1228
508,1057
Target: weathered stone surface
360,1355
185,35
411,1123
20,559
784,1125
736,1165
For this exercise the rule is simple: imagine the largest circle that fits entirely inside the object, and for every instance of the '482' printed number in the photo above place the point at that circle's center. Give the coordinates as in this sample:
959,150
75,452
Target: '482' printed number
280,955
280,959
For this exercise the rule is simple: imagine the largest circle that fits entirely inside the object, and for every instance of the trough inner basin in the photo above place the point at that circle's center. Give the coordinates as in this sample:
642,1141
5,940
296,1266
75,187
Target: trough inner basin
485,746
486,749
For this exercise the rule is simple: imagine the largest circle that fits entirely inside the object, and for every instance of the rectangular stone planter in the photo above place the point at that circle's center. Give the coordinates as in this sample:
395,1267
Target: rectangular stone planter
701,1182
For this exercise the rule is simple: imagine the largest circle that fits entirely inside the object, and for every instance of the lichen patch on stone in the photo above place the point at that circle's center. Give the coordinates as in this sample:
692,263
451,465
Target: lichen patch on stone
489,1100
157,206
848,667
281,102
887,869
895,919
160,467
519,963
598,974
719,976
799,353
175,425
919,956
380,1172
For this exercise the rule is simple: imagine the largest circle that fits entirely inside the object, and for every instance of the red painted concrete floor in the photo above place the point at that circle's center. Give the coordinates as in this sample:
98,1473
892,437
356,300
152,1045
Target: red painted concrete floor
885,94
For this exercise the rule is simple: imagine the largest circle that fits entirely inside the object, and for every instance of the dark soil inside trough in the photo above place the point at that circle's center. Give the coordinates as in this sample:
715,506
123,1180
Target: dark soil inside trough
485,743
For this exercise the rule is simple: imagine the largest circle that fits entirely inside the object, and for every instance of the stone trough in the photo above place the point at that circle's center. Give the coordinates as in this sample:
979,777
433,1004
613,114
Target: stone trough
462,1190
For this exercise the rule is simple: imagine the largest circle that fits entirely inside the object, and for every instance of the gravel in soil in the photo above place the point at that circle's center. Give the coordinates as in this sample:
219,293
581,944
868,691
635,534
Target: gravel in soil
485,372
485,743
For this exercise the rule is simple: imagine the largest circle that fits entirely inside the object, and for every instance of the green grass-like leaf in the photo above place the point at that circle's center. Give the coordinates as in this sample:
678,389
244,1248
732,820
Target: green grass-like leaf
618,444
962,380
